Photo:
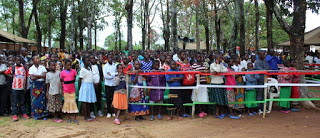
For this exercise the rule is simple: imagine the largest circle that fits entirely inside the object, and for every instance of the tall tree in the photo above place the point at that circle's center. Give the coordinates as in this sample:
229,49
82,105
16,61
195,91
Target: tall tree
36,20
90,18
174,41
269,26
256,5
296,34
242,28
206,24
24,29
196,3
129,8
63,19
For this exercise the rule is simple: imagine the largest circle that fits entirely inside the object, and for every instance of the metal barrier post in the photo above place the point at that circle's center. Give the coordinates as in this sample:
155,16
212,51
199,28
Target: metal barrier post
195,95
265,96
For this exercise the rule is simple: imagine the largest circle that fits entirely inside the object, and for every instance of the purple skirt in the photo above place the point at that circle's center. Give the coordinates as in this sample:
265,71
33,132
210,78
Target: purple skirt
156,95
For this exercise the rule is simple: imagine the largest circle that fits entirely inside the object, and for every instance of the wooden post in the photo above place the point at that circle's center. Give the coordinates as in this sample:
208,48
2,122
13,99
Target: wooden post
195,95
127,86
265,96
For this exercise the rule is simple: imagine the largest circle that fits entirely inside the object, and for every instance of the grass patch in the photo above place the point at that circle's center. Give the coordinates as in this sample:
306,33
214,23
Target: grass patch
5,121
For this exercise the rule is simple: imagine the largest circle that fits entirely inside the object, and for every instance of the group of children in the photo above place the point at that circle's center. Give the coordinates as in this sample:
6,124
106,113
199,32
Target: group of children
54,91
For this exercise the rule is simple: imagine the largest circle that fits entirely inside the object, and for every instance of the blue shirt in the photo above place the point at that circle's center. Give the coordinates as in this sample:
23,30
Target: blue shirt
146,66
261,65
273,62
169,76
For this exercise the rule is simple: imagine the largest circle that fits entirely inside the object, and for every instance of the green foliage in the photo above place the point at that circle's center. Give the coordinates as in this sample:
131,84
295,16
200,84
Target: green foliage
109,43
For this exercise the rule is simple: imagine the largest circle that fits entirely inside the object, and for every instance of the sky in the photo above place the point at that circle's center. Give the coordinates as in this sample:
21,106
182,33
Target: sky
312,20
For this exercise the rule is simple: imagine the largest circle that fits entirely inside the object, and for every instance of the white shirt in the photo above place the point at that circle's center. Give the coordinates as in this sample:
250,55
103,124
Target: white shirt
95,72
244,63
3,67
237,68
317,60
109,72
310,59
175,57
33,70
86,75
219,68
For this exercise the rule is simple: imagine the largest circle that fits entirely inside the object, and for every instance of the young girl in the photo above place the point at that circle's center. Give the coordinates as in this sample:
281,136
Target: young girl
38,91
53,92
230,80
120,100
285,91
156,95
138,95
175,95
87,93
67,78
239,94
218,95
295,92
251,92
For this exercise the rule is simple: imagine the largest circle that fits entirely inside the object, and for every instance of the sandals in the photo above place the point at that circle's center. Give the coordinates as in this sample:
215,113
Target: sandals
295,110
201,115
69,121
57,120
76,121
286,112
117,121
186,115
169,118
234,117
220,117
251,114
159,117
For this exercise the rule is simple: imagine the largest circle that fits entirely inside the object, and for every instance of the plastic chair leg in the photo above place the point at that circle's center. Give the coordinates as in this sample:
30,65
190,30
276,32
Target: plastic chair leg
270,103
79,108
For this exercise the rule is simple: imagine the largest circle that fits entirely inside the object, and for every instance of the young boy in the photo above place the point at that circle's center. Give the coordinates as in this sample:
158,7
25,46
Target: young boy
175,97
97,78
4,89
19,75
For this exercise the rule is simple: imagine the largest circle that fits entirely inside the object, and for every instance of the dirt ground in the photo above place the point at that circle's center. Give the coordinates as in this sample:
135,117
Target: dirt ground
296,124
305,123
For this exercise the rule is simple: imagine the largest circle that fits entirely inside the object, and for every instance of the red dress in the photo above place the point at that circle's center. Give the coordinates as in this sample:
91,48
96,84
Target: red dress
295,92
126,69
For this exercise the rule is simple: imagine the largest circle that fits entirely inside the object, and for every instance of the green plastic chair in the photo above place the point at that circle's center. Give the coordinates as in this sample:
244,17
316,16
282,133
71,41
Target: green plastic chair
166,93
146,90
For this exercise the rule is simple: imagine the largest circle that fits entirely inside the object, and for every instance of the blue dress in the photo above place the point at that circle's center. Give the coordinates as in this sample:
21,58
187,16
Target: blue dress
138,95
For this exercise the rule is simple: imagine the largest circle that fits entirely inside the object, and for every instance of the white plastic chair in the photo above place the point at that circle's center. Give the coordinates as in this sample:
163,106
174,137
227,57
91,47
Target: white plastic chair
273,95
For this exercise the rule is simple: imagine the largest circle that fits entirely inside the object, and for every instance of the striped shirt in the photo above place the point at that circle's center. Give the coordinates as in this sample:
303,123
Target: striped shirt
197,67
19,78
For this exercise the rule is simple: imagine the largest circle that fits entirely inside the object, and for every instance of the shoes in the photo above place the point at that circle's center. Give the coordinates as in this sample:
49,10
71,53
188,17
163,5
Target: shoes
234,117
159,117
186,115
151,118
117,121
205,114
69,121
100,114
286,112
76,121
92,115
25,116
57,120
220,117
260,112
201,115
15,118
114,115
108,115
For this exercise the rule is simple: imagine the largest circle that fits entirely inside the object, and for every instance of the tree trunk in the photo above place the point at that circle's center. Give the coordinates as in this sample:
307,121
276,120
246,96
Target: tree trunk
24,29
75,39
116,40
144,24
72,26
129,8
36,20
63,18
269,28
164,33
90,16
167,26
256,4
174,24
95,35
49,28
206,25
242,29
119,33
80,23
197,28
234,36
217,25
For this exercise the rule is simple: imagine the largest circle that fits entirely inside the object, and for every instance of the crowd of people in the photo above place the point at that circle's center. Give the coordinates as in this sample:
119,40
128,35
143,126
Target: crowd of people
42,85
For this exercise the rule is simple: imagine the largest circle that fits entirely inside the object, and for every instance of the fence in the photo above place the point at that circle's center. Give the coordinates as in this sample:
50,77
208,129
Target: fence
266,73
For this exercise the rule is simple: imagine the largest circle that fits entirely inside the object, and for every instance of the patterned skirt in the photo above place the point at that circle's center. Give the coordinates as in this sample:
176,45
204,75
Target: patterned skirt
69,105
138,95
54,103
38,99
230,96
240,93
218,95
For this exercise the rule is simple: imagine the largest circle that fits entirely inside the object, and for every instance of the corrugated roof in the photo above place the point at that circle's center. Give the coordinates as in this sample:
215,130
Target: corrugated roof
310,38
8,37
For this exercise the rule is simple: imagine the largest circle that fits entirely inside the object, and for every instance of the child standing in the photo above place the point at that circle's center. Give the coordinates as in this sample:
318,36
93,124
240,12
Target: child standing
87,93
37,74
138,95
175,95
295,92
19,75
218,95
251,92
67,78
156,95
230,80
239,94
120,99
54,105
285,91
97,78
